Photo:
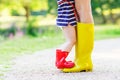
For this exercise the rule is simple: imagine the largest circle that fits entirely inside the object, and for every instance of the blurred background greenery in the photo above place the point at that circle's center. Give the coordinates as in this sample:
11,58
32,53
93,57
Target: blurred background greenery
29,25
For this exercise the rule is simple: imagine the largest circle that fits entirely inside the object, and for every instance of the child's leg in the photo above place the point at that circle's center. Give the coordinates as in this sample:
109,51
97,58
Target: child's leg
83,8
70,36
65,16
61,54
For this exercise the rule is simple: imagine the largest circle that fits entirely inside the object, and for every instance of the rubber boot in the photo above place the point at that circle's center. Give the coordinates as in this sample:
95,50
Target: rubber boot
83,48
60,60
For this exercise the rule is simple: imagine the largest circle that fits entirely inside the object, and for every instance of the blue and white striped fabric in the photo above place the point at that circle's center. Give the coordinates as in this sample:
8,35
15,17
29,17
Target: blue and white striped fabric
66,13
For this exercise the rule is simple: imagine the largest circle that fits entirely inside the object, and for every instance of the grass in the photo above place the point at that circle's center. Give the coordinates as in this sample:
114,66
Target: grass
28,44
107,31
9,49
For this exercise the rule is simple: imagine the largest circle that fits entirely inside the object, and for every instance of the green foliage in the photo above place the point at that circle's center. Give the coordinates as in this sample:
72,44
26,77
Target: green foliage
31,29
52,6
14,12
101,6
8,31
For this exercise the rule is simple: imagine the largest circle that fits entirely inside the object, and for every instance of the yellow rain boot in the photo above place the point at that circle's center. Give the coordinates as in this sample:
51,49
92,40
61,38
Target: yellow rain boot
83,48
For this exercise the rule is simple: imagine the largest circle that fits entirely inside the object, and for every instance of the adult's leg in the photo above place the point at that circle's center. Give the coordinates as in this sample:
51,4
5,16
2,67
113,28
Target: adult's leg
83,8
85,38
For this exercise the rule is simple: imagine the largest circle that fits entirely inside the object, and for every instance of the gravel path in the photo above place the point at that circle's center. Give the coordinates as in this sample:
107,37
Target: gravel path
40,66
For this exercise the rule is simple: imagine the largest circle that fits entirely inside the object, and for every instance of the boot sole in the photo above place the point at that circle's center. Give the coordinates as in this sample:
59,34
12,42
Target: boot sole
85,70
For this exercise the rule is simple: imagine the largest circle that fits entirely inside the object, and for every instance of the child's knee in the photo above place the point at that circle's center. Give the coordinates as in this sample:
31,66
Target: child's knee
72,41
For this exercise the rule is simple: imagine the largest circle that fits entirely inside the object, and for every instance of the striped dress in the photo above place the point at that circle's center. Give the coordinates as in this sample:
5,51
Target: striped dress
66,13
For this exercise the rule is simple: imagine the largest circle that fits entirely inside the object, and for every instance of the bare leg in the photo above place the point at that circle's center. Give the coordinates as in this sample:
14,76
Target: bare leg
83,8
70,36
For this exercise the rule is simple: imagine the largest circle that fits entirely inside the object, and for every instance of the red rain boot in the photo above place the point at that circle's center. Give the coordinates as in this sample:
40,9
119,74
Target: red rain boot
60,60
